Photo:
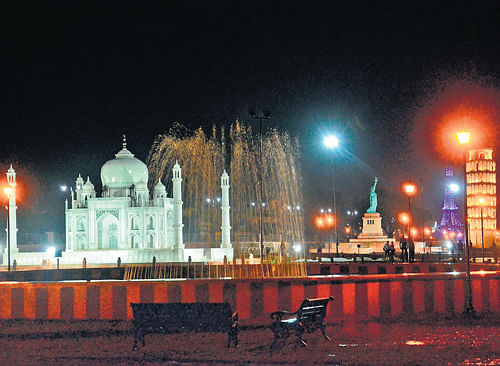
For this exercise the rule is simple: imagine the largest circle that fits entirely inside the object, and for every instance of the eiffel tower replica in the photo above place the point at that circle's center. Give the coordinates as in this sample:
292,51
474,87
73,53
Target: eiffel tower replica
450,223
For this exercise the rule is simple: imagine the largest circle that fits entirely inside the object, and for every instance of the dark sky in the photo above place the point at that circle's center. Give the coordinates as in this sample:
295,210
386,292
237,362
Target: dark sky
75,75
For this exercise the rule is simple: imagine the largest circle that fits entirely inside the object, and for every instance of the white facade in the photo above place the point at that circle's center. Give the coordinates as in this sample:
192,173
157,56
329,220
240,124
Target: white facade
126,220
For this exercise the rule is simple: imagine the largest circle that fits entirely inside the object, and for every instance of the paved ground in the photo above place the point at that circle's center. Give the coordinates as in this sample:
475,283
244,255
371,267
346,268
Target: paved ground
440,342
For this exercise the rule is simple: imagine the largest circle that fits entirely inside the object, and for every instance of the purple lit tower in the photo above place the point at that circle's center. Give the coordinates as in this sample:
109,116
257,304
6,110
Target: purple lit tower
450,225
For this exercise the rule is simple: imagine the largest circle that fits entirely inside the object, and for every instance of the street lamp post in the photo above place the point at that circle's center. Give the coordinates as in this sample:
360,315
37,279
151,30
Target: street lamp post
265,115
463,139
8,192
332,142
481,204
410,189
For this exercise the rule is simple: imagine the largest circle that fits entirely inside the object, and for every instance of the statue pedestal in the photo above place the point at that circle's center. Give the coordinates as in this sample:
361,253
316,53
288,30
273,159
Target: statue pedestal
372,235
372,225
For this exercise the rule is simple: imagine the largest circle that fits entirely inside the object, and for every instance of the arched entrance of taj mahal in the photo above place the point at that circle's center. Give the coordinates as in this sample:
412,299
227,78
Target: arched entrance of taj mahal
107,232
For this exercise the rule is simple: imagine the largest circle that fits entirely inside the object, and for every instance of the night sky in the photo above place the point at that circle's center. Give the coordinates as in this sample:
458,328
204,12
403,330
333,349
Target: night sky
75,75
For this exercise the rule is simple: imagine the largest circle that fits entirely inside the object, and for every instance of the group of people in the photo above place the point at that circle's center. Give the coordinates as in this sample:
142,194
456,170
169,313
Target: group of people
457,249
407,250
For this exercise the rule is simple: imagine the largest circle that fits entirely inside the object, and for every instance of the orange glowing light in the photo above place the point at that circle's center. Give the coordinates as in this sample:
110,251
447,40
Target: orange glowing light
465,105
427,231
319,222
481,200
463,137
410,189
324,221
414,232
347,229
404,218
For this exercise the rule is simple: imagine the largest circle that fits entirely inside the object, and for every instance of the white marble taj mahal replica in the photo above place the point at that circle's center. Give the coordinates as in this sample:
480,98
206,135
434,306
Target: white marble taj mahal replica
128,222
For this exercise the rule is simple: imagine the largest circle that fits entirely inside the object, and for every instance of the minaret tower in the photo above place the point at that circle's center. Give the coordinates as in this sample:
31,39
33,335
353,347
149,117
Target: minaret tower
177,226
226,222
450,225
11,180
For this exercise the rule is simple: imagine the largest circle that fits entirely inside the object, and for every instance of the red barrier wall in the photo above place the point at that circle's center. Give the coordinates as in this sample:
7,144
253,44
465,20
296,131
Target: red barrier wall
358,297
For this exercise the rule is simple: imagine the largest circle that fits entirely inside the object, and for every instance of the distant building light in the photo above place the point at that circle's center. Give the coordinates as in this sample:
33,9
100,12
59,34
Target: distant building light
253,204
63,188
208,200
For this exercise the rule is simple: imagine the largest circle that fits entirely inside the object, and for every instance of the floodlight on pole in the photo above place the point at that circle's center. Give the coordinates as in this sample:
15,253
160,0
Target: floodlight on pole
265,115
332,142
410,189
463,138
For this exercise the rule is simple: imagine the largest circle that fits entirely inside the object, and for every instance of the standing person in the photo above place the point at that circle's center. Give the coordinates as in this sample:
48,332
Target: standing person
392,251
411,250
460,249
454,250
403,245
386,249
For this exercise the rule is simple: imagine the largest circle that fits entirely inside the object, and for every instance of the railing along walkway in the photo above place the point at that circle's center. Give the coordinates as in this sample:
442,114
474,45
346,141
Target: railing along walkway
214,271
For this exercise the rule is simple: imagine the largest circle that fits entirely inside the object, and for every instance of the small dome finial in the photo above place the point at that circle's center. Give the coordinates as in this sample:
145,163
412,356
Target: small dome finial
124,144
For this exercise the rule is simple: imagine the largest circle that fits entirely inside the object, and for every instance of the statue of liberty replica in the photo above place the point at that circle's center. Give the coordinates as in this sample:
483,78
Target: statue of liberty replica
372,238
373,198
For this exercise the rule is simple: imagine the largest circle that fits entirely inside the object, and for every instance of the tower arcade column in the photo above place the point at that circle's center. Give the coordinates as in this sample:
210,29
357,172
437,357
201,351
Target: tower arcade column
178,225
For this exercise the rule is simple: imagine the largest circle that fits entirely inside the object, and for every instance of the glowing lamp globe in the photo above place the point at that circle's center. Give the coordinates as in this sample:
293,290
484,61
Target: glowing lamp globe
404,218
331,141
454,187
463,137
7,191
410,189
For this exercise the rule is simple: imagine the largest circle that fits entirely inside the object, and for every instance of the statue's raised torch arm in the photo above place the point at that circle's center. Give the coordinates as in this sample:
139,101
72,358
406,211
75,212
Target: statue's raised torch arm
373,198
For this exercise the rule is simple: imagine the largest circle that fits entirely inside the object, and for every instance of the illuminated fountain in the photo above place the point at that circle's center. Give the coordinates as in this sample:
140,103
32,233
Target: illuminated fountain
204,159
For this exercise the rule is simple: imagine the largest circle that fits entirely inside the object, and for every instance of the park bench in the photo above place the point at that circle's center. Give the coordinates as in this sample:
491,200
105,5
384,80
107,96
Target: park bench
309,317
184,317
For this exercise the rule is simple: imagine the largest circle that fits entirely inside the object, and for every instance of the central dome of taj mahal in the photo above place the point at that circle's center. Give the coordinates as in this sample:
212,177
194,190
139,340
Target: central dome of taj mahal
124,171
